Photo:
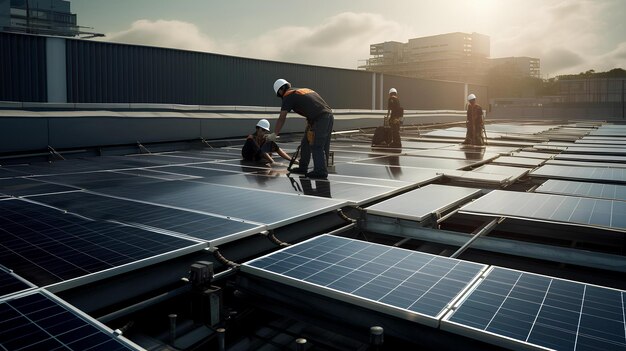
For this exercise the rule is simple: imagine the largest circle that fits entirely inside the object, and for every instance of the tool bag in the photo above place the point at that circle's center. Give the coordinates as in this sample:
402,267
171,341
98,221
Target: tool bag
382,135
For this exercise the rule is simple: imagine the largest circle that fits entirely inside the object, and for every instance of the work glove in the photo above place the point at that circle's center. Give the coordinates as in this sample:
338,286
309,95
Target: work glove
271,137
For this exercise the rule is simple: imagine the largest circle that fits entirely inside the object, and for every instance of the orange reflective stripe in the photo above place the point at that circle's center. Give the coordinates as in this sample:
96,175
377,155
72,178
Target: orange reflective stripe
302,91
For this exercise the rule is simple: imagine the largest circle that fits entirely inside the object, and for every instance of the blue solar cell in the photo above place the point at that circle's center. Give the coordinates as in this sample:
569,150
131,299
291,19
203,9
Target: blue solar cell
202,226
247,204
36,322
46,246
397,281
553,208
10,283
543,311
26,186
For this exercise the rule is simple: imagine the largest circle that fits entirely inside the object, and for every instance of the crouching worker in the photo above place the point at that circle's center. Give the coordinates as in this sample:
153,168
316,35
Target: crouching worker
258,148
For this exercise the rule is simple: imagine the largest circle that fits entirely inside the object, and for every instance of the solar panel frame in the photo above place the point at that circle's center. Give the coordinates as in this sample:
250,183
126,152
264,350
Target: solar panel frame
440,198
556,315
349,271
39,320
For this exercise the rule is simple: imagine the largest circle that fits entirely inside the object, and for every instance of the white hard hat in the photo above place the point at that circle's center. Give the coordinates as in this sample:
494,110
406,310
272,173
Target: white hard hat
279,83
265,124
471,97
393,90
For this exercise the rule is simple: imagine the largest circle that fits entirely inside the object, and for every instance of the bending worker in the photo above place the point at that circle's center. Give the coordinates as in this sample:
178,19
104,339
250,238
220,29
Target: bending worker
395,112
320,119
475,124
258,148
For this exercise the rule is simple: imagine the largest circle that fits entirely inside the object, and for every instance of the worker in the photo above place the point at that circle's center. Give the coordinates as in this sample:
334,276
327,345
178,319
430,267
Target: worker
394,115
320,119
258,148
475,124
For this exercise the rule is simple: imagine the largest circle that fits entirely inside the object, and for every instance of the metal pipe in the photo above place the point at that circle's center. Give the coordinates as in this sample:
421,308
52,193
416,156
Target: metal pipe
172,318
486,229
144,304
377,336
300,344
611,262
221,339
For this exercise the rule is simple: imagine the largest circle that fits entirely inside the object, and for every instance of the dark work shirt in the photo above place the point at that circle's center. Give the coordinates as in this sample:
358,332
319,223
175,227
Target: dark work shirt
393,104
305,102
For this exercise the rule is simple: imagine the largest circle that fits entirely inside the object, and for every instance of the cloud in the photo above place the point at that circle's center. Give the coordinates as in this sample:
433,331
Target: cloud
568,36
340,41
164,33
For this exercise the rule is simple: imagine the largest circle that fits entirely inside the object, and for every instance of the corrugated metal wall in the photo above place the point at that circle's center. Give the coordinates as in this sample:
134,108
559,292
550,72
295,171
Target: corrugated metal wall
417,94
100,72
107,73
22,68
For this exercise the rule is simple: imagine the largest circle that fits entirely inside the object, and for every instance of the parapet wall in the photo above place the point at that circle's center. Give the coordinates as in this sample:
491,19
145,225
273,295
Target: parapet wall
34,127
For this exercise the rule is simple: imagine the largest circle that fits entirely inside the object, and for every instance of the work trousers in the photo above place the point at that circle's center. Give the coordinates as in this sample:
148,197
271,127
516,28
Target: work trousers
322,126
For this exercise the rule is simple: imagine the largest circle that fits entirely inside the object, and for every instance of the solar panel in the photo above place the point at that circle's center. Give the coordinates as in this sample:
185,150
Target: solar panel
552,208
404,283
96,180
156,173
11,283
468,154
280,182
523,311
421,204
584,189
596,150
599,158
614,175
48,247
611,142
534,154
518,161
215,230
586,164
419,162
270,208
478,177
40,321
512,172
26,187
405,174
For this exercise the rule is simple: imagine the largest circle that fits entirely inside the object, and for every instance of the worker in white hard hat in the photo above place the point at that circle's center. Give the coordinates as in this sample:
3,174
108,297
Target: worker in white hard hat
320,119
475,124
394,115
258,148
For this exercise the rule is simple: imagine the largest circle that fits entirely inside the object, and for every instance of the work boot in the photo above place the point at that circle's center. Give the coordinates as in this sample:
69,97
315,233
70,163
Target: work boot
317,175
299,170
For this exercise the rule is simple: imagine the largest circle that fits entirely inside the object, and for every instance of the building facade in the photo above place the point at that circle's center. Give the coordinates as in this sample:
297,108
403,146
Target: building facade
50,17
522,66
461,57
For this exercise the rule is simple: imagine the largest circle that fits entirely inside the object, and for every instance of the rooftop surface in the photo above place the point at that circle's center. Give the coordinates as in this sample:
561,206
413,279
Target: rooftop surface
519,244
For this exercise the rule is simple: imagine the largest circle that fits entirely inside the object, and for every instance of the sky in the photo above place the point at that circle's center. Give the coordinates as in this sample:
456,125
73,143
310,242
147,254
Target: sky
568,36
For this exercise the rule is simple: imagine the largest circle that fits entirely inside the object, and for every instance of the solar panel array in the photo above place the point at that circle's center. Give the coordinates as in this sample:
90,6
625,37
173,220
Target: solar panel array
520,310
404,283
36,321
